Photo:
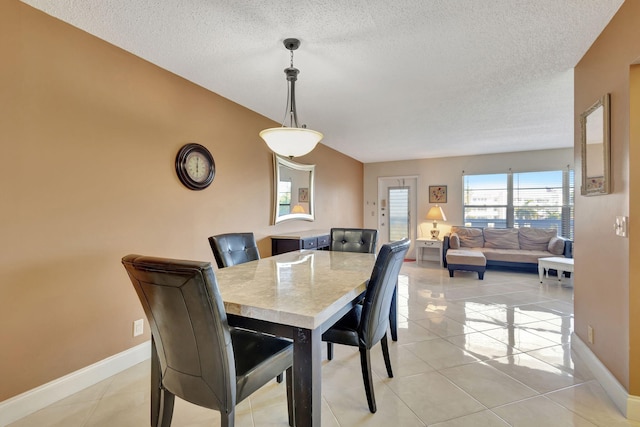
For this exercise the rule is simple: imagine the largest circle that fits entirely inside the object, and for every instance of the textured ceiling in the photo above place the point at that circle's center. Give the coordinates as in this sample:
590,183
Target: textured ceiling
382,79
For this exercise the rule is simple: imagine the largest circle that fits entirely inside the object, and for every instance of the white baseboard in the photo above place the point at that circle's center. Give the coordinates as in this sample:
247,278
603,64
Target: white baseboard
40,397
628,404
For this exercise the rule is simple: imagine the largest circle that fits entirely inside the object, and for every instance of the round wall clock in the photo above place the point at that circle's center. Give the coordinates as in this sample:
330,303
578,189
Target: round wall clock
195,166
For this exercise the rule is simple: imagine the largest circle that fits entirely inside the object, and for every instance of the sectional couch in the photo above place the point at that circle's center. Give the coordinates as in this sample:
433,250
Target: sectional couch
513,248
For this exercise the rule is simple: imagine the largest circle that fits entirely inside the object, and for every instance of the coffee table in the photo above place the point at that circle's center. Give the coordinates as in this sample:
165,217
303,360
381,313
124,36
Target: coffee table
559,264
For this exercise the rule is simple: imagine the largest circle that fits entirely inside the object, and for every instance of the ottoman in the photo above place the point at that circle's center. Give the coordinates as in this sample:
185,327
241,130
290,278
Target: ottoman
466,260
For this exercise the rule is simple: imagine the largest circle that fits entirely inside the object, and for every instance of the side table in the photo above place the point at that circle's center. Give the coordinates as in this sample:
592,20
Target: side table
433,248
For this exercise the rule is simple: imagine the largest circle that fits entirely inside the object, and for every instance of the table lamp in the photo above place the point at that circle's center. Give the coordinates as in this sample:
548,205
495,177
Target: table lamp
436,214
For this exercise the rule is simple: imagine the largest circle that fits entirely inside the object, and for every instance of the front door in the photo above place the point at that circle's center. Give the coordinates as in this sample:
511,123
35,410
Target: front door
397,208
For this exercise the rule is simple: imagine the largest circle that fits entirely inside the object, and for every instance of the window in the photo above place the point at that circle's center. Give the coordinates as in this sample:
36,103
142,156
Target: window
398,213
284,202
486,199
528,199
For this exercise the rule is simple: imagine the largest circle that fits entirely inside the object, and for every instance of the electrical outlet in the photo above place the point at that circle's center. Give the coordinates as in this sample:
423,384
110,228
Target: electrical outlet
621,226
138,327
590,334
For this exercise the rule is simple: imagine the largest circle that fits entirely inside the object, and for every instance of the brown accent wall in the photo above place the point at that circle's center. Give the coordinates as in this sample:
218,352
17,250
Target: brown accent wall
607,273
634,241
89,135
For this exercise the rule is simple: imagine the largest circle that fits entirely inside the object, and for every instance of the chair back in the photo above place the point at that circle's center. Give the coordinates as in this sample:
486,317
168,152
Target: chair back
234,248
374,321
363,240
189,328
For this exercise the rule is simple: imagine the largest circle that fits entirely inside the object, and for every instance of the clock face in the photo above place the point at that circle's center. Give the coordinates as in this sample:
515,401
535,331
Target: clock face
195,166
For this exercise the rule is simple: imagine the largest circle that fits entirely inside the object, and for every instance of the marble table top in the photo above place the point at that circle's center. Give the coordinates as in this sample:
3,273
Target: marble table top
301,288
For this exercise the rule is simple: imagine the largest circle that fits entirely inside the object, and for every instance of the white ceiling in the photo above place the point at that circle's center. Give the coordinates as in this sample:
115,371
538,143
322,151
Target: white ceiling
382,79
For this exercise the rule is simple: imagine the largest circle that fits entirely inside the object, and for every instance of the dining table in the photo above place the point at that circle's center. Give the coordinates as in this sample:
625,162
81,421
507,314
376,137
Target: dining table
297,295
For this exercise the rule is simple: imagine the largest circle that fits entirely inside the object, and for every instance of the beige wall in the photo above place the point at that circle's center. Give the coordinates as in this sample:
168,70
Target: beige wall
602,265
89,134
449,171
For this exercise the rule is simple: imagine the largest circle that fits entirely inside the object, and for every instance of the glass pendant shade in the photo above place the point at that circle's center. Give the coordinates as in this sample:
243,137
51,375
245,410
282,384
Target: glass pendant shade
291,142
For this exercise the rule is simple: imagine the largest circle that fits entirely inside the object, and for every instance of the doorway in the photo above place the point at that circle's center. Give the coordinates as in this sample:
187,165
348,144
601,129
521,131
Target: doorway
397,201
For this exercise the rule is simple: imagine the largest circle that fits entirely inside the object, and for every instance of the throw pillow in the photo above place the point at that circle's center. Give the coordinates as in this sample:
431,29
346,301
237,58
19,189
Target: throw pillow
536,239
556,245
454,241
501,238
469,237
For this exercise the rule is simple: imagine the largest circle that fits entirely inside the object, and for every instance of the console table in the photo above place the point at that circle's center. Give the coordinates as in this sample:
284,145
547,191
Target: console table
288,242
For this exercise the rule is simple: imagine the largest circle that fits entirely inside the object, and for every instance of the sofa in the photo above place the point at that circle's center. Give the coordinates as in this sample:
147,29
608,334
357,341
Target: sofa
511,248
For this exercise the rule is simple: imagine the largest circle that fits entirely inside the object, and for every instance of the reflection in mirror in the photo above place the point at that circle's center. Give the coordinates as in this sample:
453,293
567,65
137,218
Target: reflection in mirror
293,190
594,125
595,155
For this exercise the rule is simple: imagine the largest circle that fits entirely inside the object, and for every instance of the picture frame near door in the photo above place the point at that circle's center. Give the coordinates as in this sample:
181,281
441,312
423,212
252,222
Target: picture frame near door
303,194
437,194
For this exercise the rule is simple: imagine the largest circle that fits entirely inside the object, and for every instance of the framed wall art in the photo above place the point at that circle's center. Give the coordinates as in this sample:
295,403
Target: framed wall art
303,194
437,194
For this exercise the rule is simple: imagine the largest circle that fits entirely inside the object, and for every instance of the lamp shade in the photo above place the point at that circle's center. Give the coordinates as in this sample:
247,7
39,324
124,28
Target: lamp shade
436,214
291,142
298,209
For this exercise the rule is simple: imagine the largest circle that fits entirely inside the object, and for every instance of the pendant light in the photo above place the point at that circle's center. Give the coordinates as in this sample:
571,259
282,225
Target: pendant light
292,141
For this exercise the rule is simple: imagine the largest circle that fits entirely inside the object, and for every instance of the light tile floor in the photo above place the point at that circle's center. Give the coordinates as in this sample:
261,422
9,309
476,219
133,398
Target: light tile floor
474,353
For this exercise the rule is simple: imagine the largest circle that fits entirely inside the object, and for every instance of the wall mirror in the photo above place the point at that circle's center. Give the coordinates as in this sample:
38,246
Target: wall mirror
293,190
595,127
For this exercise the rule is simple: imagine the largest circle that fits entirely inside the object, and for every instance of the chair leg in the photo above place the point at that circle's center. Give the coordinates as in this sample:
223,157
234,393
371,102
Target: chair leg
290,405
166,413
279,378
228,420
365,362
156,387
162,400
393,314
385,354
330,350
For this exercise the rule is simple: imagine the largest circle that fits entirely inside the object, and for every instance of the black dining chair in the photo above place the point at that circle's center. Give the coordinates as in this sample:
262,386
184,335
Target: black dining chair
363,240
234,248
367,323
195,355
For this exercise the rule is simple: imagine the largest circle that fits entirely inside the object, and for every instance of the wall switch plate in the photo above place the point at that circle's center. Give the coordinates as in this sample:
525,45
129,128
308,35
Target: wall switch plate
138,327
621,226
590,334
